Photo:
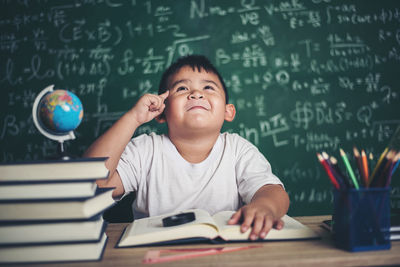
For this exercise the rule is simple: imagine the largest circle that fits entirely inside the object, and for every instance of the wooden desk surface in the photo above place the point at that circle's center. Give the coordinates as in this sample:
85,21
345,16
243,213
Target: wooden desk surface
320,252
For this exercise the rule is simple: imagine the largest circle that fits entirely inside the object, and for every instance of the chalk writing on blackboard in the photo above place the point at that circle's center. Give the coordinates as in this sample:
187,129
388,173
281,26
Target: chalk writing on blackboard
304,76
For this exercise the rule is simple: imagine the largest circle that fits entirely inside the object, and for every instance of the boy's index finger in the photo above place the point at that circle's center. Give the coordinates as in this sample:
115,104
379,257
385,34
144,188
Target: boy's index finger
164,95
235,218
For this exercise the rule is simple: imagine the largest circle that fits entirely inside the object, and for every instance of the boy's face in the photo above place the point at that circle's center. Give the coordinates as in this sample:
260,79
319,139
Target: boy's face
196,102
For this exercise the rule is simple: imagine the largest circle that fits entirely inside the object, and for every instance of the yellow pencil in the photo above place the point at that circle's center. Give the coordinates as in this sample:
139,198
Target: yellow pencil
377,164
380,175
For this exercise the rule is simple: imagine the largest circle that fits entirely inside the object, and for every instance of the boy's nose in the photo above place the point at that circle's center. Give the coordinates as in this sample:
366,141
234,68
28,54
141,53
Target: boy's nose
196,94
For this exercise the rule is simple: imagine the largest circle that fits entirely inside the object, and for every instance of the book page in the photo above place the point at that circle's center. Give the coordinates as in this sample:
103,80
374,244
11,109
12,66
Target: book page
226,231
154,223
292,229
151,230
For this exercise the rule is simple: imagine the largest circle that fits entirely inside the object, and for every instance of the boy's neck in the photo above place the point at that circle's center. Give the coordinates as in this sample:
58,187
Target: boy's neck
194,149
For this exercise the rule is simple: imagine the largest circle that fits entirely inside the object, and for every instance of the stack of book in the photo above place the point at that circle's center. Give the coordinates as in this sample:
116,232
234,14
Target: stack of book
51,211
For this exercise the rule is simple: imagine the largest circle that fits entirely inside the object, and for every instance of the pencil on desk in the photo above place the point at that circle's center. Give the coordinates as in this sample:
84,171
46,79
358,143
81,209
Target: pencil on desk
330,175
349,169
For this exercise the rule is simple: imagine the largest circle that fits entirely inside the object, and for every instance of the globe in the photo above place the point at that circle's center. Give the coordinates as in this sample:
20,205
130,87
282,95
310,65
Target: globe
56,114
60,111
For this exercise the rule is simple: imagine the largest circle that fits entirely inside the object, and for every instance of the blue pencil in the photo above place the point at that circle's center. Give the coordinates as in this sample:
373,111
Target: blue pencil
396,165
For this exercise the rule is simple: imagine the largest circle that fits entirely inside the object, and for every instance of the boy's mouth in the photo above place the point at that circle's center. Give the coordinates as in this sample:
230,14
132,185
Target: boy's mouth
197,104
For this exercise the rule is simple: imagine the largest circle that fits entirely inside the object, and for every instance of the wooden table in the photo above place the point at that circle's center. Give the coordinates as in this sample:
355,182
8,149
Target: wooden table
321,252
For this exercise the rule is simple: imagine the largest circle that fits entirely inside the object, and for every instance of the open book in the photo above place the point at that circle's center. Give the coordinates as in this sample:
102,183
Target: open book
150,231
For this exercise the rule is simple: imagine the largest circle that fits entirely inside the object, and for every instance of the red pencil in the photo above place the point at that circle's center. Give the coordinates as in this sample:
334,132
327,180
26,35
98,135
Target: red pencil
328,171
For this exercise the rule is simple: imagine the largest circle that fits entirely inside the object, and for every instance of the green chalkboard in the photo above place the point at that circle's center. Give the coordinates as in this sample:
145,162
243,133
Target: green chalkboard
305,76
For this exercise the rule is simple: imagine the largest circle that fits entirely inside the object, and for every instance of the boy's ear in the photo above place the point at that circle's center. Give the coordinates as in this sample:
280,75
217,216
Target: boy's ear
160,118
230,112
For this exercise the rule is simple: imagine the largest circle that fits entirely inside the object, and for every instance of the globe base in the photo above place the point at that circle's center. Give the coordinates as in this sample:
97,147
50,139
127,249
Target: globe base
61,153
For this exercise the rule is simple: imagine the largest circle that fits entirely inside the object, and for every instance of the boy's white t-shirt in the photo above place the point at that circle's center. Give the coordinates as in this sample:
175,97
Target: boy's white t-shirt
165,182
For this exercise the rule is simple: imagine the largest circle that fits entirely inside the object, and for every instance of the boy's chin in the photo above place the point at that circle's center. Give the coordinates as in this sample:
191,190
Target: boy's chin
201,130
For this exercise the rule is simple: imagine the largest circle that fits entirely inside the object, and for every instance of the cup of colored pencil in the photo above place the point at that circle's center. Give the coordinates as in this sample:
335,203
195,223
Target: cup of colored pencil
361,214
381,175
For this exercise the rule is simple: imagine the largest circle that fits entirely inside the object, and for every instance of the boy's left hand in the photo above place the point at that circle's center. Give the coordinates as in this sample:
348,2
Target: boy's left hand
258,216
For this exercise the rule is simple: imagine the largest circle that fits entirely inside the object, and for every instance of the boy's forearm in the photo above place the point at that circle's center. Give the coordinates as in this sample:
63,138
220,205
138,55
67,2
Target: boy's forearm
113,142
273,197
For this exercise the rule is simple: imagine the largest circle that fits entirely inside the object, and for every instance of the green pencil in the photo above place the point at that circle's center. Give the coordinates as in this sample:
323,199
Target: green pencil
349,169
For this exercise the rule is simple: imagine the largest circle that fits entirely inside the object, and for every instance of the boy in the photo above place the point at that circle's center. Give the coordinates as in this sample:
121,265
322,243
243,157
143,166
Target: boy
194,166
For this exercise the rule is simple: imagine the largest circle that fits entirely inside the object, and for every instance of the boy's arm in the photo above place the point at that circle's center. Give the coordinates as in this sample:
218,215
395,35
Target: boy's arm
265,211
113,142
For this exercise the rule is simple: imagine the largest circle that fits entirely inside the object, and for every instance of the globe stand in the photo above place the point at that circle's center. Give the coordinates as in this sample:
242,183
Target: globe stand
60,137
61,153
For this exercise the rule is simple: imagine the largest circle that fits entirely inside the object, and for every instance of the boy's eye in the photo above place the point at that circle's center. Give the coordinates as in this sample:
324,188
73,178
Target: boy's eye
209,87
181,88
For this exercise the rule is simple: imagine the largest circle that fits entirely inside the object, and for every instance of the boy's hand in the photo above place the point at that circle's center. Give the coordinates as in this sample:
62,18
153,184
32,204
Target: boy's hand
148,107
258,216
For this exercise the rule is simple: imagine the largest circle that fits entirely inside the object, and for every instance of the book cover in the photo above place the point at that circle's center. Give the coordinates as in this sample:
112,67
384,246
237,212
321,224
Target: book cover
54,170
51,232
150,231
47,190
70,252
56,209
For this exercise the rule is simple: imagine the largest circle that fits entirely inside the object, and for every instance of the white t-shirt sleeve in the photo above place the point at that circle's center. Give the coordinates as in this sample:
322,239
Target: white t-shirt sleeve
252,169
132,163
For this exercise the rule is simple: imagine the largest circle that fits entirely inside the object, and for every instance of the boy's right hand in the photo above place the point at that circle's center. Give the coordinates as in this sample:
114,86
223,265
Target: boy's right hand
148,107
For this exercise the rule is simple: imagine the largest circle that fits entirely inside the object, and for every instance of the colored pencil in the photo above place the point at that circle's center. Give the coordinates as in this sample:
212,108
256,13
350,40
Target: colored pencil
385,174
360,166
335,174
393,168
371,156
378,164
365,166
335,166
381,173
349,169
327,170
396,164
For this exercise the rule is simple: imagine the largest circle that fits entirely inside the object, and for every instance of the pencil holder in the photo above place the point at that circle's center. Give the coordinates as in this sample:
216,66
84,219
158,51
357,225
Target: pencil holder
361,219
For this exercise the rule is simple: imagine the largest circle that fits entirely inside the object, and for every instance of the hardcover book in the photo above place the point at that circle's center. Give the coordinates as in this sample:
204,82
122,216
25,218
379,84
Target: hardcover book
56,209
150,231
55,170
81,251
51,232
47,190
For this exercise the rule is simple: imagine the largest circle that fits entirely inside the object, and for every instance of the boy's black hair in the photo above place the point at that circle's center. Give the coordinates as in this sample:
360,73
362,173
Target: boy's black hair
196,62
